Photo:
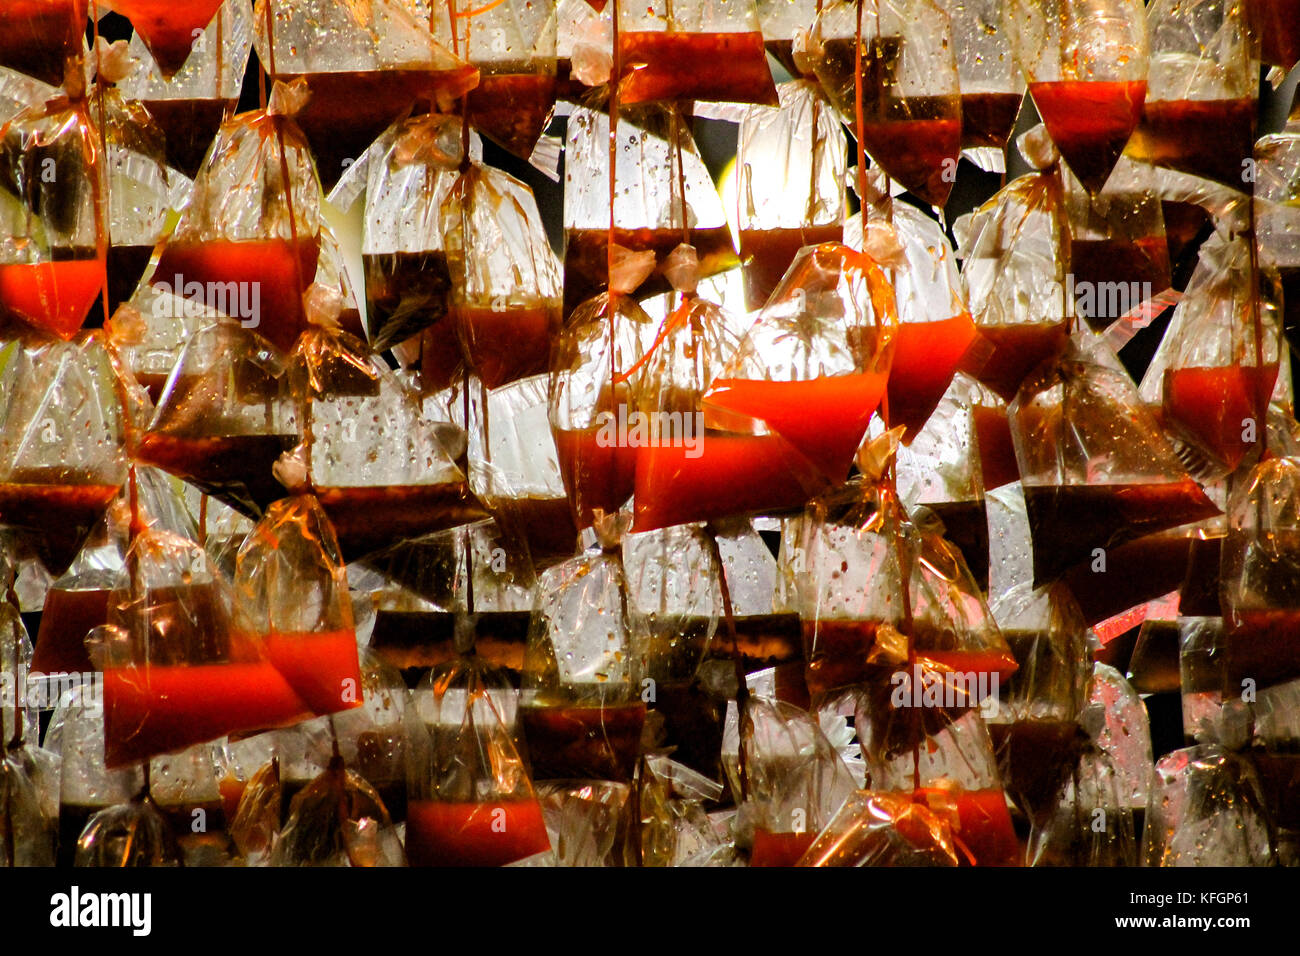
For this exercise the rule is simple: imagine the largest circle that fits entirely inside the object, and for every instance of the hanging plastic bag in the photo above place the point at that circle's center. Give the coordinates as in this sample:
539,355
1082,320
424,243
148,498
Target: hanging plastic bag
226,414
992,85
375,490
168,28
338,820
472,802
1087,71
1089,826
292,598
784,25
790,166
175,672
506,291
1097,471
1276,30
128,835
1201,106
693,51
883,829
61,455
366,66
900,54
38,37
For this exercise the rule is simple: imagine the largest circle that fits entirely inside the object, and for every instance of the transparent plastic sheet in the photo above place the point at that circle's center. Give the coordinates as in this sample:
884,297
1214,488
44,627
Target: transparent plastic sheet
255,825
651,207
992,85
1090,825
252,230
471,798
190,104
1097,471
1201,106
693,50
675,827
791,778
910,93
785,28
128,835
874,828
175,672
1206,810
1117,722
1211,376
28,831
37,37
365,66
587,821
15,668
581,706
1118,251
380,468
1012,263
224,416
338,820
185,789
936,334
292,597
506,295
1087,70
61,444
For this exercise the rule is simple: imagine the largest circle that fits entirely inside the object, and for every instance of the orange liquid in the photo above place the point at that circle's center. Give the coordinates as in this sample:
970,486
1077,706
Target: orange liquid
824,418
987,119
715,67
54,519
37,36
322,669
732,475
232,791
985,825
916,152
503,346
52,296
442,833
767,254
594,476
926,357
373,517
151,710
1017,351
1090,122
267,262
65,620
1208,138
513,109
1209,406
997,451
583,742
168,26
779,849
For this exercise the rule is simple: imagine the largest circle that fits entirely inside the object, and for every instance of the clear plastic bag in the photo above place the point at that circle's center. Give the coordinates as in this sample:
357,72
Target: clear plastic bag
169,28
992,85
37,37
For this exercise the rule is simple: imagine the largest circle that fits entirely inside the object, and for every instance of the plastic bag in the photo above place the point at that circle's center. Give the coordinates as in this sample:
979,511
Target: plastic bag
168,28
471,799
61,455
1097,471
1090,825
883,829
249,242
1201,105
1273,25
992,86
506,291
128,834
910,106
292,598
693,51
37,37
365,66
175,672
377,491
1087,71
338,820
190,104
790,165
224,417
785,24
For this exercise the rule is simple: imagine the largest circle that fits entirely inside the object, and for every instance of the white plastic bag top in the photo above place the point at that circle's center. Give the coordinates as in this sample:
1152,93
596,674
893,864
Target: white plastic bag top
629,269
1037,148
880,241
592,60
111,62
288,99
682,269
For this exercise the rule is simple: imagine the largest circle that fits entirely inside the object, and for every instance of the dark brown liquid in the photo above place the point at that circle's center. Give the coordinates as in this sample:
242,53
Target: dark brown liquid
370,518
65,620
966,524
601,743
415,641
189,127
1208,138
762,640
36,38
1263,646
661,65
1017,351
1068,522
1279,780
235,469
406,292
126,267
1141,266
1136,572
1036,757
1153,668
987,119
767,254
54,520
546,524
513,109
693,722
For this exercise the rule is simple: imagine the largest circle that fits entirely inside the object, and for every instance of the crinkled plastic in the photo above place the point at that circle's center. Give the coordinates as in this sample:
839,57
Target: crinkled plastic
506,294
675,827
28,834
175,672
224,416
1201,105
366,65
37,37
128,835
1117,722
249,242
582,706
790,165
1097,471
693,50
785,28
471,798
900,55
1087,69
1090,825
588,820
1276,30
292,597
61,438
874,828
338,820
379,467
